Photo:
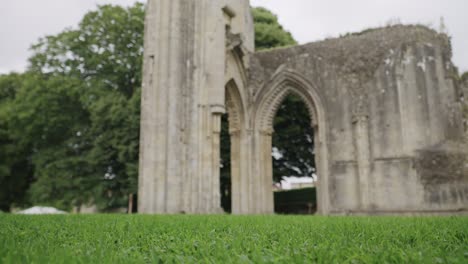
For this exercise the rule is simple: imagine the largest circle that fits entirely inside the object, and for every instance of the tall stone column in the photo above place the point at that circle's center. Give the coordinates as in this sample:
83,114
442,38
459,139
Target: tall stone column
323,192
182,101
363,157
178,129
266,196
242,182
261,180
238,181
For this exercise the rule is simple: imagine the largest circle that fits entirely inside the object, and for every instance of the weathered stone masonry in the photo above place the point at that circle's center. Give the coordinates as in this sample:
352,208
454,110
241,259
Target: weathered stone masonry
384,105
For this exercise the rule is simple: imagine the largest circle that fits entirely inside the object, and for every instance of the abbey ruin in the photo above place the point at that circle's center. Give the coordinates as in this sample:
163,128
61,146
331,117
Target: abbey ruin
385,107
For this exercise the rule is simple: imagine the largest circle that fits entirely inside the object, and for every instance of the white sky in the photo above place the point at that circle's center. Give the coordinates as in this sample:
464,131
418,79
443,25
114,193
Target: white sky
22,22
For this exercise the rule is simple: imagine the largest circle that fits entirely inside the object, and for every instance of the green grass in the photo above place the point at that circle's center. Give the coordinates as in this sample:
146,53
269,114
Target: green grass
232,239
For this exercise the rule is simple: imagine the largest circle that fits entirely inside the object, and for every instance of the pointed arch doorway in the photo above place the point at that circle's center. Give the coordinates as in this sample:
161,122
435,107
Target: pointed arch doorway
293,157
235,187
267,104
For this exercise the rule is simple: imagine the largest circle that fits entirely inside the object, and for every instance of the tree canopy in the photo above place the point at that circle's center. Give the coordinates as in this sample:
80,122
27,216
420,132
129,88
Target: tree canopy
464,77
268,31
76,111
15,162
293,140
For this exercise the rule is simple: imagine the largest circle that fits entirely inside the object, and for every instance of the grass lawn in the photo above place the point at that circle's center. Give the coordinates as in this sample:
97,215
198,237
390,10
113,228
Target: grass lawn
232,239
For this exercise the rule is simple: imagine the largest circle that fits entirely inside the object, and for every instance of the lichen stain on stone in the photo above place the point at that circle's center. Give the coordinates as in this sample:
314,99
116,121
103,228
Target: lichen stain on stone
442,164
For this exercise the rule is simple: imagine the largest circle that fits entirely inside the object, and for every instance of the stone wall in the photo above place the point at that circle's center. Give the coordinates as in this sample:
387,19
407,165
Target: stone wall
393,112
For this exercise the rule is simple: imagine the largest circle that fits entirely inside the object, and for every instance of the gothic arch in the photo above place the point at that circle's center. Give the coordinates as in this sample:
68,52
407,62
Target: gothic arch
236,83
239,153
272,95
267,104
235,68
234,107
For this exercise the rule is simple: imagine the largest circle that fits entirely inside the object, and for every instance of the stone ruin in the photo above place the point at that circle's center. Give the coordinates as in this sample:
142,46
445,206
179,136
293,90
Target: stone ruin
385,106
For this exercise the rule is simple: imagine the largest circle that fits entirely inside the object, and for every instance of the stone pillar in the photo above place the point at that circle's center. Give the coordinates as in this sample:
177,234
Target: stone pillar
214,178
236,180
240,176
363,156
160,146
242,180
174,160
267,179
182,101
261,179
323,192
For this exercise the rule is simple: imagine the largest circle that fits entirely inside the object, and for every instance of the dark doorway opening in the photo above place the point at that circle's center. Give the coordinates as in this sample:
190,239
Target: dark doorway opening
293,157
225,166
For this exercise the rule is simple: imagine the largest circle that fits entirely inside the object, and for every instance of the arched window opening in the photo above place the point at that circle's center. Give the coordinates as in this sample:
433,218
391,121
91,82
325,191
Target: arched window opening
293,158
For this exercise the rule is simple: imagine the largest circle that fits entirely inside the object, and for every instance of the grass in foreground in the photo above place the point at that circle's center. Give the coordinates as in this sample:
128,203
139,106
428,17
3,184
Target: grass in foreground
232,239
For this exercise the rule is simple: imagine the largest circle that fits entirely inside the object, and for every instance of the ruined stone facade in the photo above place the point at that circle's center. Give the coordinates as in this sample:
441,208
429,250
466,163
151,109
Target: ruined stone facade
384,106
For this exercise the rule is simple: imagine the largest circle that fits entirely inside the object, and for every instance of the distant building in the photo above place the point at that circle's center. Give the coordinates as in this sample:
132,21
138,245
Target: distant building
293,182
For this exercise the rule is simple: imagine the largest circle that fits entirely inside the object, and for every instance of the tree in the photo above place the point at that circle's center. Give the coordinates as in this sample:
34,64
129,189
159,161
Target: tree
464,77
15,163
48,114
293,140
268,31
79,113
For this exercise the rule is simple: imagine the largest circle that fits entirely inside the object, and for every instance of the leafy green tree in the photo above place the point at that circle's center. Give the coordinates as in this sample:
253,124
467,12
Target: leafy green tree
293,140
15,163
48,112
268,31
464,76
80,113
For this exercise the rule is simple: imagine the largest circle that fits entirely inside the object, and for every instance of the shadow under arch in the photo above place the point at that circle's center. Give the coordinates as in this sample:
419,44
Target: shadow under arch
267,104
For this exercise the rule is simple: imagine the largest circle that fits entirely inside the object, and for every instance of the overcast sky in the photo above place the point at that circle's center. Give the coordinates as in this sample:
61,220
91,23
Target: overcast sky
22,22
